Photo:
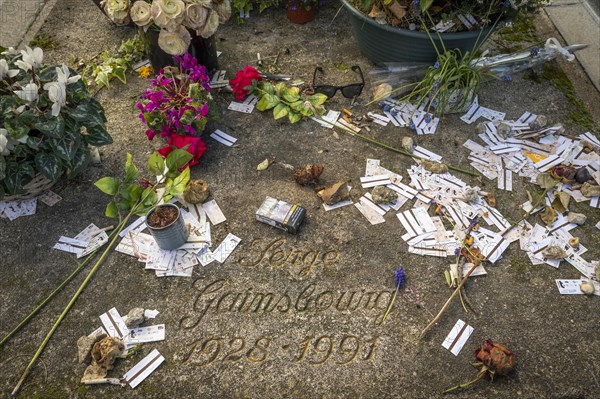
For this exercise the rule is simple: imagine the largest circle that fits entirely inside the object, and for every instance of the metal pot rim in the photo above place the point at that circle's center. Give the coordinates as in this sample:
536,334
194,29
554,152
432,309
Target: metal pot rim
170,224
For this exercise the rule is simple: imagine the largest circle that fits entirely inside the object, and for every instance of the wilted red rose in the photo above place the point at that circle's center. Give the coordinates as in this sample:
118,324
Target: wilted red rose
196,147
496,357
243,79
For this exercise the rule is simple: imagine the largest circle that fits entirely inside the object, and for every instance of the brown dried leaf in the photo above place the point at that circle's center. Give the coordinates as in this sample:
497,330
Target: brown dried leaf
561,202
546,181
548,216
335,193
396,9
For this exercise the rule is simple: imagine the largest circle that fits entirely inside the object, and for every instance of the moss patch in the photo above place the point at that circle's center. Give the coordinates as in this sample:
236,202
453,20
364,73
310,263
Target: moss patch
520,34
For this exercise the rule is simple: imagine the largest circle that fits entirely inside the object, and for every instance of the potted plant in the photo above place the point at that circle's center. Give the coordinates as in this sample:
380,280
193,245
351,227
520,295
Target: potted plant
178,106
301,11
166,225
411,30
48,120
173,27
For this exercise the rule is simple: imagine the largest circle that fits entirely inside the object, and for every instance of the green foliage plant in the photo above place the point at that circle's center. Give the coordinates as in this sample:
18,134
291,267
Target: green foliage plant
287,101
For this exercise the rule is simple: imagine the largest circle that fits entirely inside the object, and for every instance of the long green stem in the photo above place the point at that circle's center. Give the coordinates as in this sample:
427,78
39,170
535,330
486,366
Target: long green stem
48,298
391,304
70,305
399,151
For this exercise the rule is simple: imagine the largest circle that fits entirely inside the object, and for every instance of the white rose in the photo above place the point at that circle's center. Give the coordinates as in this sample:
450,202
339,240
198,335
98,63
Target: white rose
195,16
174,43
224,11
168,14
29,93
6,143
6,71
117,11
57,92
212,23
141,14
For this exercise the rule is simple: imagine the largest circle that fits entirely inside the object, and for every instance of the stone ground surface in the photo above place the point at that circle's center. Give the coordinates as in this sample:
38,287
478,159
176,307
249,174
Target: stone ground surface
555,338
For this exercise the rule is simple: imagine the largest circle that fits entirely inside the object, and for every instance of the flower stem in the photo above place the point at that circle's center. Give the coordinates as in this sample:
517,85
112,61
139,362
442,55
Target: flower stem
48,298
480,375
70,305
391,304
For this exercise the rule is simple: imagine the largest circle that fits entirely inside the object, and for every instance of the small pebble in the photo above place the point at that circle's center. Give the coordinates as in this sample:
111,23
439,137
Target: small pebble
587,288
582,175
577,218
408,144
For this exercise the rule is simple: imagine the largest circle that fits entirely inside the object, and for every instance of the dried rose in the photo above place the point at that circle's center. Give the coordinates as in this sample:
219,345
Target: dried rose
141,14
223,8
563,172
496,357
308,174
211,25
168,14
493,358
195,16
174,43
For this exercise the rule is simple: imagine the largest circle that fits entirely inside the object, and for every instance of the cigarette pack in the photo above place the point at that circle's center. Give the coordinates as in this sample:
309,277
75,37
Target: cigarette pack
281,214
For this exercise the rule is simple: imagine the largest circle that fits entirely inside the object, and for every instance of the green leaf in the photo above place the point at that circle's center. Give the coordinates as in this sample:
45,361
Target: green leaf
53,128
111,210
66,146
149,198
180,182
280,111
108,185
119,73
317,99
49,165
290,96
17,175
306,111
131,171
2,168
102,80
177,159
156,164
80,161
88,113
546,181
267,87
294,117
97,136
132,193
280,88
297,106
268,101
16,129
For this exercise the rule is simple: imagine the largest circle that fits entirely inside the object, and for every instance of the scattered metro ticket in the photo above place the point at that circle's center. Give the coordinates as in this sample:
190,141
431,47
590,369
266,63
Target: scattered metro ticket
226,248
571,287
140,335
457,337
223,138
50,198
143,369
114,324
214,213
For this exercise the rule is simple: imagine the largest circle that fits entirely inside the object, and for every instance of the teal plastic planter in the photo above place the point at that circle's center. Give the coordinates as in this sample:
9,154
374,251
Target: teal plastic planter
385,43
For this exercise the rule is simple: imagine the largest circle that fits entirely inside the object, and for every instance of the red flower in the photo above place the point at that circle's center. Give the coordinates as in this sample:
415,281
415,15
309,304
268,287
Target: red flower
196,147
242,79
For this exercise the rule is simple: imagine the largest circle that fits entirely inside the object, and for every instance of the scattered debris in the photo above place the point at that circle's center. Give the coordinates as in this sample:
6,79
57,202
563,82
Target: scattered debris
434,167
577,218
308,174
104,353
383,195
196,191
135,317
408,144
263,165
223,138
587,287
335,193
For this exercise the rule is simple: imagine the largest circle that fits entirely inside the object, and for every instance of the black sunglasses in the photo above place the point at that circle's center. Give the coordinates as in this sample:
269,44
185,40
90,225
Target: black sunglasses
348,91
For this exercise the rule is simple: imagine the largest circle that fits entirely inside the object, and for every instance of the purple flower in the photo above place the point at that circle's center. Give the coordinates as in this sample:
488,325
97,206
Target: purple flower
399,278
457,251
436,65
412,126
427,118
436,84
150,133
434,102
507,78
534,51
386,108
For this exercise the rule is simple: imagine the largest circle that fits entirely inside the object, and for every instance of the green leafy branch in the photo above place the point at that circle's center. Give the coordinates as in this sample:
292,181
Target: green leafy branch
104,67
287,101
135,201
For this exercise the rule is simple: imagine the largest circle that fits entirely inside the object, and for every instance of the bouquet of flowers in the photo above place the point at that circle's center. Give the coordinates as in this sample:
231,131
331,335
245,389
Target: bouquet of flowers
174,18
177,106
47,120
443,15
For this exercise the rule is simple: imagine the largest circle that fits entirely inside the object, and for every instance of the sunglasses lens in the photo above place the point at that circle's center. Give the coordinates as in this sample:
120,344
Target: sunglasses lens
329,91
352,91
